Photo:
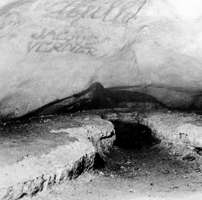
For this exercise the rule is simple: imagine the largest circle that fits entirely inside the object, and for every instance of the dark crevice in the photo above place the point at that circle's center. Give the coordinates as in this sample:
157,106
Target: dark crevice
99,163
95,97
133,136
137,153
198,150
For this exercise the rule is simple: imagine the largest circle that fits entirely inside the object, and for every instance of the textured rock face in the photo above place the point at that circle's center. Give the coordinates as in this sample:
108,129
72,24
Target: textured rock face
53,49
50,151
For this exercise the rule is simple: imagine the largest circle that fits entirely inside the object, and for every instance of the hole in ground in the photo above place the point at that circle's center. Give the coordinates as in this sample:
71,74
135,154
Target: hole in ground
138,157
143,172
133,135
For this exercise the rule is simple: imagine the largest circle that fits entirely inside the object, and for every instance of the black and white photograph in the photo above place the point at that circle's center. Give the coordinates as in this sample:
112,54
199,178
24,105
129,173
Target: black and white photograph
100,99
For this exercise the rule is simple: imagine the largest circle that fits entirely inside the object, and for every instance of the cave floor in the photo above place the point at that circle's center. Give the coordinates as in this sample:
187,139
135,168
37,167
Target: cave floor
171,169
30,139
151,173
40,152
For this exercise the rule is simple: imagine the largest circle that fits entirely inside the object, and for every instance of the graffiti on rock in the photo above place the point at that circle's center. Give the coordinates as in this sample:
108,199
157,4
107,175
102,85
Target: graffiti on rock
116,11
79,41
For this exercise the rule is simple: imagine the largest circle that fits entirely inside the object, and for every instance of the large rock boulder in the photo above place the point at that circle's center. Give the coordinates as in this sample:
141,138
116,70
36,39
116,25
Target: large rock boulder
52,49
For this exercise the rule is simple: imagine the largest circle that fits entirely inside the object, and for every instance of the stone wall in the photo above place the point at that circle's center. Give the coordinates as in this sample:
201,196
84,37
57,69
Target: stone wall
53,49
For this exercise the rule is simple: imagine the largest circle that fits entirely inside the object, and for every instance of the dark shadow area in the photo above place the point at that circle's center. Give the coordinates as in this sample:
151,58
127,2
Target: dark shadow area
97,97
99,163
137,154
133,136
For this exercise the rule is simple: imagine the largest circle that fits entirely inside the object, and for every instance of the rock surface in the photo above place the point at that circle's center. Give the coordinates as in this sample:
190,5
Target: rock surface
53,49
40,152
180,129
153,171
36,154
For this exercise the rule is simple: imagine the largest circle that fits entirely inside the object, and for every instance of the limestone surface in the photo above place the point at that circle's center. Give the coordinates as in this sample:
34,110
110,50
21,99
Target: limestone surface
53,49
39,153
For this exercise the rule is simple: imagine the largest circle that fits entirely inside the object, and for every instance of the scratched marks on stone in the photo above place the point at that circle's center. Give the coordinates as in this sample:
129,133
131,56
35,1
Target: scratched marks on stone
79,41
10,19
116,11
11,16
8,22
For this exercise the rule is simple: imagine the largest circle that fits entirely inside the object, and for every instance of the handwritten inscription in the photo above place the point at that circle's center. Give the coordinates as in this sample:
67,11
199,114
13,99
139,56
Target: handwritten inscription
116,11
80,41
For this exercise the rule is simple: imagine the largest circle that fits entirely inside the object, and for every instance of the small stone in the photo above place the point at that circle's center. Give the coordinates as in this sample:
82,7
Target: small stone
112,175
189,157
101,173
128,162
123,168
166,171
174,187
198,170
136,168
131,190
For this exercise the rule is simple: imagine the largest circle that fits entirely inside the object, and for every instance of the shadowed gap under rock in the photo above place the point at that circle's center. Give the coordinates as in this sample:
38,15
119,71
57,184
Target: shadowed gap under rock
129,136
133,135
96,97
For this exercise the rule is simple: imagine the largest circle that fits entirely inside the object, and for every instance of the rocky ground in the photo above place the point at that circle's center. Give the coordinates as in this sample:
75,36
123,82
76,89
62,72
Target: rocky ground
156,156
145,174
40,152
